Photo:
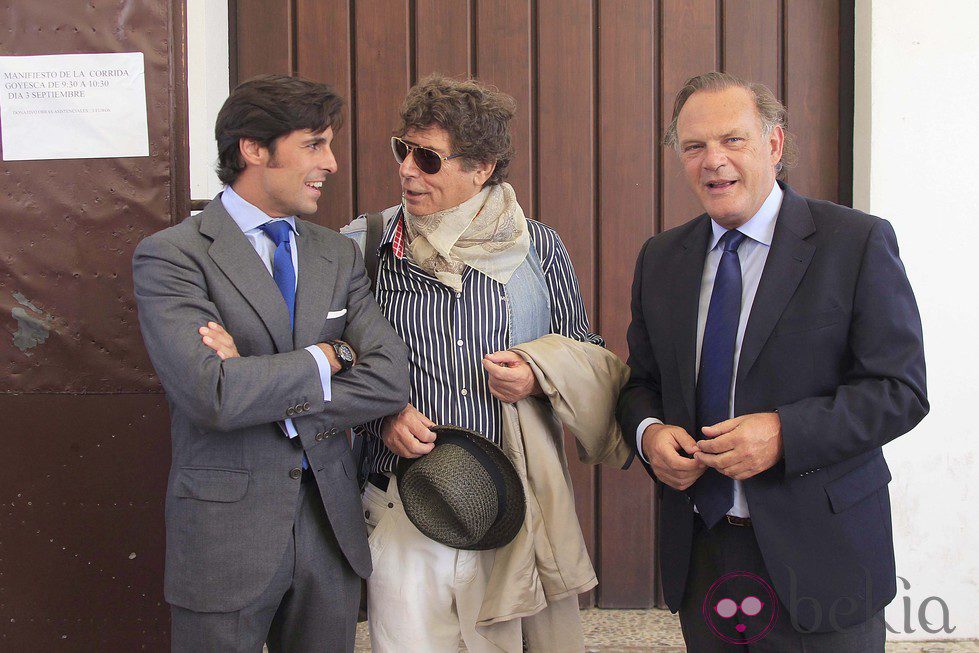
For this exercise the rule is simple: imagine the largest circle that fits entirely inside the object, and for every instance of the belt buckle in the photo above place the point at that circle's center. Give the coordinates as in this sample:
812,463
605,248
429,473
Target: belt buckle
737,521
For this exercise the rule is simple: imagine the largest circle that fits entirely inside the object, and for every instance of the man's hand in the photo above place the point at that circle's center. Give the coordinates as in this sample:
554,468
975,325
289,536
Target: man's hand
743,446
331,355
661,444
407,434
510,377
215,337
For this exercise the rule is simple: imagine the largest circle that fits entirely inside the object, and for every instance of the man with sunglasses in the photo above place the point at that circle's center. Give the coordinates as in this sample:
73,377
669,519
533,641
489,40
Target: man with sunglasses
462,276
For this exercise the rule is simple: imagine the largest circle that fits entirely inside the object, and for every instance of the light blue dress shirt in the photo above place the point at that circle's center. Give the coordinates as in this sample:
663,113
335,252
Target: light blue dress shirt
249,218
752,254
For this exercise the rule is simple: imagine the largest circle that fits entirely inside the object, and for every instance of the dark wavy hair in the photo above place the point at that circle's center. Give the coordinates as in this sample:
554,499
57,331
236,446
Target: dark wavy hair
475,115
267,107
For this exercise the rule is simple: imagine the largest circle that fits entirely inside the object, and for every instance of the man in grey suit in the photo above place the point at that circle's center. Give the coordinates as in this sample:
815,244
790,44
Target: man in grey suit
265,538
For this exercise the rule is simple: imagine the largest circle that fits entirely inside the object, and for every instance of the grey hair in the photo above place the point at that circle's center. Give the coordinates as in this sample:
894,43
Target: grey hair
771,112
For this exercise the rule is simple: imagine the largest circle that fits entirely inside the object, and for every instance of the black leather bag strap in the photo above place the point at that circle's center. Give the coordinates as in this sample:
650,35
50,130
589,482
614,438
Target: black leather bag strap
375,230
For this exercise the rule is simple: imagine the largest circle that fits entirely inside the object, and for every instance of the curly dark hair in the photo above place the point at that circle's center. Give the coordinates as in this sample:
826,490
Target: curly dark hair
475,115
267,107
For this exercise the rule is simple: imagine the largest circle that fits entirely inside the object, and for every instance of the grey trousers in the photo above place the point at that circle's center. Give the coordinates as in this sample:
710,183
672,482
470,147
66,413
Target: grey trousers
717,557
310,604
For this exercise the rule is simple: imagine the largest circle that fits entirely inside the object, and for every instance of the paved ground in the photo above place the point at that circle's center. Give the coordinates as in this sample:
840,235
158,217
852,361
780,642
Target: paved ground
658,631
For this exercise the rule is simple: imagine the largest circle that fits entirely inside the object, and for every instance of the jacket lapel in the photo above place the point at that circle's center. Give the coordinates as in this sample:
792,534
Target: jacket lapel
231,251
689,271
317,280
787,263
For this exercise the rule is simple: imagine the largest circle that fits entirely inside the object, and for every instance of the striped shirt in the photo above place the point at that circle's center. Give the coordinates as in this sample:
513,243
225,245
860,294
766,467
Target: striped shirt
448,333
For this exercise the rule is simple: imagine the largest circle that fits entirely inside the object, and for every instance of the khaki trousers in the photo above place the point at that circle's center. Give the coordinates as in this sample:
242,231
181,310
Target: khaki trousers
425,596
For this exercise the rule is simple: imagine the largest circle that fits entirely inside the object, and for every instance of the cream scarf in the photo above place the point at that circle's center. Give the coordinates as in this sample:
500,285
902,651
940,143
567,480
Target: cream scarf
487,232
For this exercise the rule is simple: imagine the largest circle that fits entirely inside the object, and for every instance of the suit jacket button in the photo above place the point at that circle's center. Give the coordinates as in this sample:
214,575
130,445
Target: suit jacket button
290,412
295,473
333,432
320,436
306,406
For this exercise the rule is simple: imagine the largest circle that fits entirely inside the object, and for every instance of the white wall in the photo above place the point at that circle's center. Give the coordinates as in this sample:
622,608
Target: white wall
207,87
916,139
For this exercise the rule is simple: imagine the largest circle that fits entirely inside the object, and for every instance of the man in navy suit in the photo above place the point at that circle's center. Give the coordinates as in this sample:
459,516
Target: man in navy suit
775,346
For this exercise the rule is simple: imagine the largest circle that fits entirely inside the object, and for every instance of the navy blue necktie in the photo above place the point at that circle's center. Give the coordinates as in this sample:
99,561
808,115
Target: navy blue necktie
713,493
283,271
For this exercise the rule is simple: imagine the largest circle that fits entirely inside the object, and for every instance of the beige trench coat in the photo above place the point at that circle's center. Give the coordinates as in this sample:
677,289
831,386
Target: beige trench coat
547,561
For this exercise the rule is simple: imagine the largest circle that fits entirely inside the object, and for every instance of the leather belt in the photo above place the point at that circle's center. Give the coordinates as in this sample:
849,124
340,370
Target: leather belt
737,521
380,481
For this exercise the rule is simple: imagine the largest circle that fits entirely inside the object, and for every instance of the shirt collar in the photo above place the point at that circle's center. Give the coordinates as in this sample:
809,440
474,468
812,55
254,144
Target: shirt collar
761,226
392,228
247,216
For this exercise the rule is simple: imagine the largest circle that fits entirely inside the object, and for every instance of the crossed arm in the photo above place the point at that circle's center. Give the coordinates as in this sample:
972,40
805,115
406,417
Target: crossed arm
225,394
214,336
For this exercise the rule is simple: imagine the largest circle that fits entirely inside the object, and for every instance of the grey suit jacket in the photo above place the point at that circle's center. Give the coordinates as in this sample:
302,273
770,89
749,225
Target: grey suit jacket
232,491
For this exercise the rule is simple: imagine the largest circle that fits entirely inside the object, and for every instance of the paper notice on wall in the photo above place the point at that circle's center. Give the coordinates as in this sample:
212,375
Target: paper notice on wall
73,106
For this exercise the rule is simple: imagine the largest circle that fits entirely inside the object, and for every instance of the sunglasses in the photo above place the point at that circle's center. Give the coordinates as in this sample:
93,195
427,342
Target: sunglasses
428,161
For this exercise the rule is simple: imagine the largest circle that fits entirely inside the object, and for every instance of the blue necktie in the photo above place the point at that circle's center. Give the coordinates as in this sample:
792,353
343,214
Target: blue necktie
283,271
713,493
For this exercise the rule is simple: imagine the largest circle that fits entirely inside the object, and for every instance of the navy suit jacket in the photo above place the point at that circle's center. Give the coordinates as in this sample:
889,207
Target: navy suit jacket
834,344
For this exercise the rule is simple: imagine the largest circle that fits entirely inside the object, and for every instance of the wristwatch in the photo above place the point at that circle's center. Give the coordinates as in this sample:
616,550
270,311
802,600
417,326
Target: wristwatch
345,355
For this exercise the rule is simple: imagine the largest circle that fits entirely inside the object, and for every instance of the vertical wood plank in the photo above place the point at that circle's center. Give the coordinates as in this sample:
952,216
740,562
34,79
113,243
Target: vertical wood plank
812,60
751,41
264,37
503,58
567,161
844,176
689,47
381,80
323,55
627,148
442,31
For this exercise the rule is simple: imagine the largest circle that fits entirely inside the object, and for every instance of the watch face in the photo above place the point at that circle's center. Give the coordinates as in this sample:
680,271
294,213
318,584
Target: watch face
343,351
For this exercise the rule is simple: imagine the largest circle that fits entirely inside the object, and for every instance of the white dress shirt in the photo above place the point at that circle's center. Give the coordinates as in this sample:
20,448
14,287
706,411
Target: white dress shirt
249,218
752,254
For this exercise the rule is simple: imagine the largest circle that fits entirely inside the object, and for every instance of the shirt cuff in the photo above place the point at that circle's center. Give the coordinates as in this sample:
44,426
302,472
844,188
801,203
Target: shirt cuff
326,372
290,429
642,429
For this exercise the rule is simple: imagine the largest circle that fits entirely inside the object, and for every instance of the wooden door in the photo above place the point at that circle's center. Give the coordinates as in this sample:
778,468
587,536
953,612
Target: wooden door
594,81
